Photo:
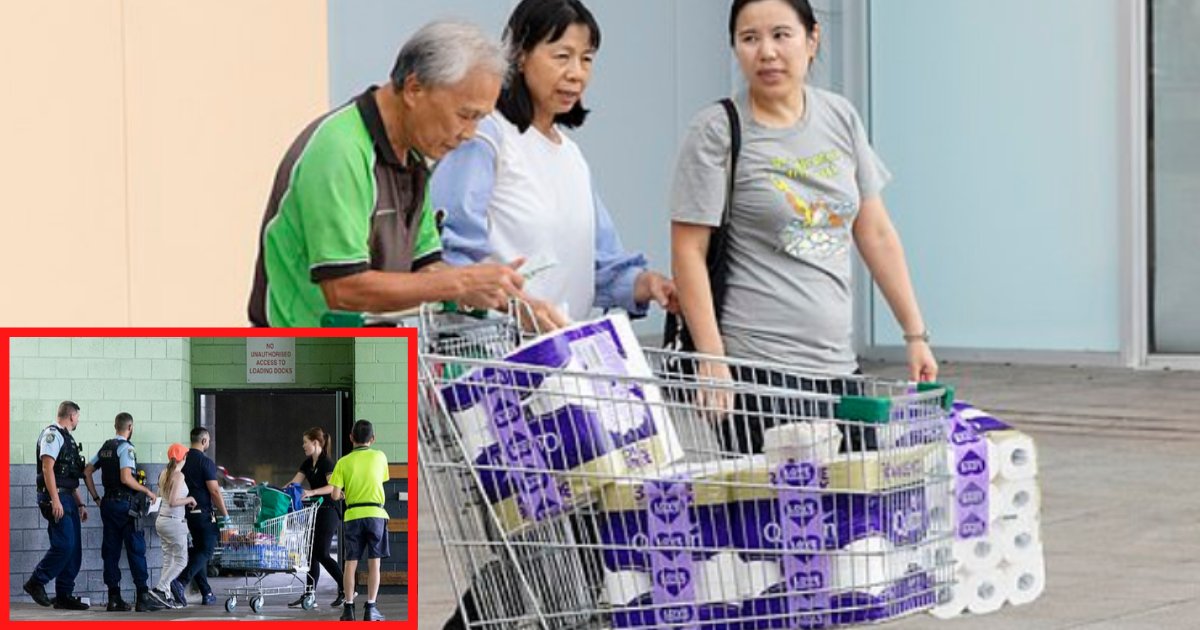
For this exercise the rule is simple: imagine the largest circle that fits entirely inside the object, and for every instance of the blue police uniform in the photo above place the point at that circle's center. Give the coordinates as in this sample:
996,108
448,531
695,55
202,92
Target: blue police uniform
61,563
120,528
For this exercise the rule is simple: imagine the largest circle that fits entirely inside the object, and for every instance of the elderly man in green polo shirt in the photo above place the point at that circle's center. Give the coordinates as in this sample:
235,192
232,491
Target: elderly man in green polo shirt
359,477
348,225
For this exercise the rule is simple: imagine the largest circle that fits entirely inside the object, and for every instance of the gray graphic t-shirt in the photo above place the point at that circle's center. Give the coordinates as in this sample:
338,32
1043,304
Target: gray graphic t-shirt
796,195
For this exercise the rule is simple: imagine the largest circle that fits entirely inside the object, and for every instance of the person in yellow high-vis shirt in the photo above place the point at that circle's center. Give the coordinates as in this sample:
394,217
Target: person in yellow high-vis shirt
359,477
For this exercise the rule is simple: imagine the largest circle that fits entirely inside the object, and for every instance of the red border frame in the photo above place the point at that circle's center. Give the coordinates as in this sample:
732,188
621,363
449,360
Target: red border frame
407,333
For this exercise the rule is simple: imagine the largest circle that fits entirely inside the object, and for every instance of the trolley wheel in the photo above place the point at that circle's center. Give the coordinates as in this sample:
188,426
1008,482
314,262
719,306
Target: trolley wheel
309,601
230,604
256,603
214,571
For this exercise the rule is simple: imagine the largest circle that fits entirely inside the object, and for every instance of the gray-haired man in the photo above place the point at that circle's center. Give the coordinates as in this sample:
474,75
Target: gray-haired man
348,222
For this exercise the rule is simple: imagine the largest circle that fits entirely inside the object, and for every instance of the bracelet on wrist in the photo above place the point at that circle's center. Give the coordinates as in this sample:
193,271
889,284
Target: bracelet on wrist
921,336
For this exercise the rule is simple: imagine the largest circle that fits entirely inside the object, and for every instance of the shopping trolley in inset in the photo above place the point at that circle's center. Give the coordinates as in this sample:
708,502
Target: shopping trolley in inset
277,545
242,505
648,490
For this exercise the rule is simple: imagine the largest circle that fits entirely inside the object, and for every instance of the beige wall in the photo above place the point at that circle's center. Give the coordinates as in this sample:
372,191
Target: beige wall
147,133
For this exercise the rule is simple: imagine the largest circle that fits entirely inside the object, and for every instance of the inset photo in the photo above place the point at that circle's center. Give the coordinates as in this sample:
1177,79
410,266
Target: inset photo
213,474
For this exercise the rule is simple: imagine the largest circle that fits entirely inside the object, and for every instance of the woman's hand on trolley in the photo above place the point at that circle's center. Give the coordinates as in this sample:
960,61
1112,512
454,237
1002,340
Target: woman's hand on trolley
922,366
715,401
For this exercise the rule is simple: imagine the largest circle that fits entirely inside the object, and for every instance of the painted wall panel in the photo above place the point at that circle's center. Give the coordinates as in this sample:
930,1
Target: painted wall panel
217,91
62,167
1002,135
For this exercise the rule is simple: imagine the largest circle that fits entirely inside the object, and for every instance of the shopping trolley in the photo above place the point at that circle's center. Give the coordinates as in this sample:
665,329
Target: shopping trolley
242,506
277,545
595,496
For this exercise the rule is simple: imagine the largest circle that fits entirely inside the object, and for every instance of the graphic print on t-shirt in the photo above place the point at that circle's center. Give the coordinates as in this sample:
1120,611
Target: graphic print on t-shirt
821,226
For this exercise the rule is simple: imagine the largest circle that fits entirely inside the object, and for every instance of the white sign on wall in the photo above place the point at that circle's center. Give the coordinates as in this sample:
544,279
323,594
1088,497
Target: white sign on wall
271,360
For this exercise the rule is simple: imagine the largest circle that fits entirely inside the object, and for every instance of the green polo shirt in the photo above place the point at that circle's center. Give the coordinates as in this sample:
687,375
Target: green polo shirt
361,475
343,203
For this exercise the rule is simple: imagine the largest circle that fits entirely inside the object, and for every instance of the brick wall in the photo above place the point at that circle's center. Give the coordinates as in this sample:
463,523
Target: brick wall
381,374
28,540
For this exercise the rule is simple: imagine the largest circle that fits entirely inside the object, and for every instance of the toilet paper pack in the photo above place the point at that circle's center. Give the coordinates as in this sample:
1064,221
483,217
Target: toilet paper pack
626,514
541,437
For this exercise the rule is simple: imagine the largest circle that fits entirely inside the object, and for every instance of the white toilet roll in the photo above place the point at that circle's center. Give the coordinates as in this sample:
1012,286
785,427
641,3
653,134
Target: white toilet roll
987,592
979,554
1025,581
815,439
1016,453
1019,541
952,598
755,578
717,578
864,566
622,587
1020,500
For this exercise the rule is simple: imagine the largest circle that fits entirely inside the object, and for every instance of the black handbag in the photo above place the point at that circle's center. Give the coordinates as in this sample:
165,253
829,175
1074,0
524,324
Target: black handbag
676,336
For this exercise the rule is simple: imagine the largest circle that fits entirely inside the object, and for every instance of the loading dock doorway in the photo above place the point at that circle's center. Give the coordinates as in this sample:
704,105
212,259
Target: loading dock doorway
256,434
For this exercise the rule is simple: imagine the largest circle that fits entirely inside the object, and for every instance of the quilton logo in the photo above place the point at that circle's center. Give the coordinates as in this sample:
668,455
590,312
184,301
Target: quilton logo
520,448
972,464
676,614
797,474
972,496
801,511
504,413
972,527
667,508
963,434
674,581
806,581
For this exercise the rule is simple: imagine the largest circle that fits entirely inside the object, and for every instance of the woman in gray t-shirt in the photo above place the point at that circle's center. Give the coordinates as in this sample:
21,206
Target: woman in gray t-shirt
807,186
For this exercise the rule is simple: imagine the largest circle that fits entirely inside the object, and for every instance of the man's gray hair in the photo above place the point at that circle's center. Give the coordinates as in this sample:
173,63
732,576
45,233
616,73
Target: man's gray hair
441,53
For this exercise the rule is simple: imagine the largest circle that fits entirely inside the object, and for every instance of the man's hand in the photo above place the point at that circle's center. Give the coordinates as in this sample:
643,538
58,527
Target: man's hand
488,285
82,514
150,493
56,508
652,286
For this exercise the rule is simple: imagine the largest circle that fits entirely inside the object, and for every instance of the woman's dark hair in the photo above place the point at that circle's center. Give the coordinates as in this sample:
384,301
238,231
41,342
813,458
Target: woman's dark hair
318,435
803,10
531,23
362,432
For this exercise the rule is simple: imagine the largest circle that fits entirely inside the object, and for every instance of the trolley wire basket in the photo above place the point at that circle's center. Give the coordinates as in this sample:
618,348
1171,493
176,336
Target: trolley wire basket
621,488
278,545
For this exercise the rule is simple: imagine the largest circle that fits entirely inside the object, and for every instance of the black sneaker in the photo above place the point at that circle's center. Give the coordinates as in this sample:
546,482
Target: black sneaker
299,603
341,599
37,591
69,602
148,603
153,600
116,604
179,591
371,613
347,612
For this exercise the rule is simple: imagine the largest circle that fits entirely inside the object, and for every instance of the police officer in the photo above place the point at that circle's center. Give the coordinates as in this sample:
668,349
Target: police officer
60,465
123,499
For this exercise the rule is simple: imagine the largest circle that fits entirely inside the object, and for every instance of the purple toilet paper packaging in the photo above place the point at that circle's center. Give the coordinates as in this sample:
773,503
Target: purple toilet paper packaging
643,613
772,609
899,515
565,426
969,467
627,523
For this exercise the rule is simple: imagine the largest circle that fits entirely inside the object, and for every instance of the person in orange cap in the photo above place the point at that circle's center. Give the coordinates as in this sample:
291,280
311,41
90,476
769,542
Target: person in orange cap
171,524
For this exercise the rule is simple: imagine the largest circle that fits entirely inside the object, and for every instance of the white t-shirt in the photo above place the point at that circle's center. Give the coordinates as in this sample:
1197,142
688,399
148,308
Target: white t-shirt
541,183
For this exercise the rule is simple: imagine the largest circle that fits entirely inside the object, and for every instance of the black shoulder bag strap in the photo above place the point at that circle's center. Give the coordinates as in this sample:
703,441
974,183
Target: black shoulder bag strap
676,335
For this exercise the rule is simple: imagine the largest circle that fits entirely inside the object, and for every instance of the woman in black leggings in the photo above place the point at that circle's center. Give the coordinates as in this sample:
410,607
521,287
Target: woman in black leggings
316,469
